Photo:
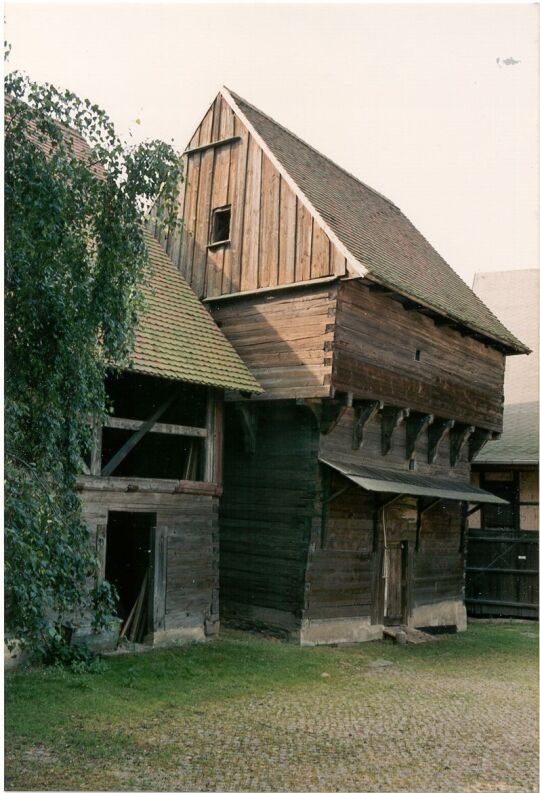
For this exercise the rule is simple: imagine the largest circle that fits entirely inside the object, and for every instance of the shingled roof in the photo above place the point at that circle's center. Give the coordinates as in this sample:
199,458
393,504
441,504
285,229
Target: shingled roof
177,339
378,238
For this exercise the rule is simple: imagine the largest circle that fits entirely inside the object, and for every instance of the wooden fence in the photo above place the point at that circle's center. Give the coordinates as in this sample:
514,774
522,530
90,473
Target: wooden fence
502,574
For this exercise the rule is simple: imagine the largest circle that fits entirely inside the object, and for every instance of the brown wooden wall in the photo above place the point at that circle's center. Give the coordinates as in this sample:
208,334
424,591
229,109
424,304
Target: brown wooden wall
285,338
338,444
274,239
187,548
374,357
341,569
267,513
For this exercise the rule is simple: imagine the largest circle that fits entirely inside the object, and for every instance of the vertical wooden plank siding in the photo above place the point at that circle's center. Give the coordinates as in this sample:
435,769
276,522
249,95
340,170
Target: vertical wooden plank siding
287,234
320,257
250,247
269,223
274,238
237,190
304,223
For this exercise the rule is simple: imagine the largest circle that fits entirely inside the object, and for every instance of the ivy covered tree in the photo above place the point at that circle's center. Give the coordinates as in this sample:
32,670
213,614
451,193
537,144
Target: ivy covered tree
75,258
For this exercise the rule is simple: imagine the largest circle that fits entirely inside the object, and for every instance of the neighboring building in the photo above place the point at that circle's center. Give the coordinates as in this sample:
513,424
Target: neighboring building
509,467
346,481
151,494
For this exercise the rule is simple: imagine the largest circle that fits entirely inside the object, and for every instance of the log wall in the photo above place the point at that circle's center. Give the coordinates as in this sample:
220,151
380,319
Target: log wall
267,513
375,346
285,338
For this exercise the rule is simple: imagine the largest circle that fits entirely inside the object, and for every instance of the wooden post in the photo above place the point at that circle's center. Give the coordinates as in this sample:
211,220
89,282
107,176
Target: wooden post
158,579
95,454
210,442
101,550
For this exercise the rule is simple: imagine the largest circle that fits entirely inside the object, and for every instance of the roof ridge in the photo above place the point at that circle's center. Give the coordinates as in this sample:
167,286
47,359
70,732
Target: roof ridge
312,148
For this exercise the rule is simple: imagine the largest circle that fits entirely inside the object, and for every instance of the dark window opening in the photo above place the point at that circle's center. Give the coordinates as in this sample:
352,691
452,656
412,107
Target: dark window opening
500,516
156,456
221,225
412,464
417,355
128,566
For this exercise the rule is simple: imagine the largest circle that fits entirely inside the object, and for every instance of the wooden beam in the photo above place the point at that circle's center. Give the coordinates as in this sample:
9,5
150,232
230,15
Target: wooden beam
459,436
477,442
214,145
416,424
131,442
437,431
117,423
363,413
391,418
248,421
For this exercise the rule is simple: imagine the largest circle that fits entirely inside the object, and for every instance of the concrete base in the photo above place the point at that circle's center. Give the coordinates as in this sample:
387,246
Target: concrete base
176,636
15,656
102,642
339,631
448,612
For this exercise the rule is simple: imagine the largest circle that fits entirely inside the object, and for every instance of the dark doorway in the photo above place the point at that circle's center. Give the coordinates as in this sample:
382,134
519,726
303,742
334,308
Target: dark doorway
397,555
128,564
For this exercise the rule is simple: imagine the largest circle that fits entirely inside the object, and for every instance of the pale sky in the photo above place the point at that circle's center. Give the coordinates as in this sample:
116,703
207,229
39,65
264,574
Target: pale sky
415,100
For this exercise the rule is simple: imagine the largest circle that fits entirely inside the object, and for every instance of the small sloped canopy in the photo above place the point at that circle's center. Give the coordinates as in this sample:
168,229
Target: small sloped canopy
176,337
375,233
378,480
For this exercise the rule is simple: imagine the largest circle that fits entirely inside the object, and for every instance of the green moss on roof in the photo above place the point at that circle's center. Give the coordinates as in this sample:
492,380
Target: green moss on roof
176,337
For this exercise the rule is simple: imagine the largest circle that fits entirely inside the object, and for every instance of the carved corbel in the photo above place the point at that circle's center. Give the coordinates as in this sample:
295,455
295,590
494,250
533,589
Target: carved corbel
391,418
459,436
477,441
363,413
436,434
416,424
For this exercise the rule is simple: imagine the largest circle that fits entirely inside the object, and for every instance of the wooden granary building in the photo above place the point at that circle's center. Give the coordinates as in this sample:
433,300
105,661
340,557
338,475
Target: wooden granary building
151,489
347,481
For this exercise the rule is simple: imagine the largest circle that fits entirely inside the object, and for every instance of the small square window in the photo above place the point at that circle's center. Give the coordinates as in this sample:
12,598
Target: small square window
412,464
220,230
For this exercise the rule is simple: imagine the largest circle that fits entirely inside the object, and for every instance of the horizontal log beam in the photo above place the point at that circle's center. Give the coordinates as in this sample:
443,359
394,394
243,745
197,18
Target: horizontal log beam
164,429
214,145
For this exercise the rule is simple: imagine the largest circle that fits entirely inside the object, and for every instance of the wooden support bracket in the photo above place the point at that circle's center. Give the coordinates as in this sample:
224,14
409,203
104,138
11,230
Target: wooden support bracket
477,441
248,420
132,441
327,412
391,418
459,436
436,434
363,413
416,424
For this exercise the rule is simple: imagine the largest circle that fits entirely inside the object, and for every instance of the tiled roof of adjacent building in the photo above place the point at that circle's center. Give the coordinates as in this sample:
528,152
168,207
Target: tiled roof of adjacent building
515,296
376,233
176,338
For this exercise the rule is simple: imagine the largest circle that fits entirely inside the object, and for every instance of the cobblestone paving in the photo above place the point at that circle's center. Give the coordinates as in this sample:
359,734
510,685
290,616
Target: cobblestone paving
363,727
387,731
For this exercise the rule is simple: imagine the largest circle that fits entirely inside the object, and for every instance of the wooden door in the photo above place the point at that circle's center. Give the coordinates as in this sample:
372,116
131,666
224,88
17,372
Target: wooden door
396,582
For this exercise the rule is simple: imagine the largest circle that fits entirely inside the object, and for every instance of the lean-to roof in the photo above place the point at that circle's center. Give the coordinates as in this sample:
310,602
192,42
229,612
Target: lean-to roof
380,242
176,338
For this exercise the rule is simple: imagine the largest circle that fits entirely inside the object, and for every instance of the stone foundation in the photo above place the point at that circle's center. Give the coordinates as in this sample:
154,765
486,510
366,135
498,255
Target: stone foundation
448,612
339,631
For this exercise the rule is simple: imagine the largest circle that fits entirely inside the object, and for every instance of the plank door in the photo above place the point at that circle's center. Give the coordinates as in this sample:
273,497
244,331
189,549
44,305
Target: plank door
396,582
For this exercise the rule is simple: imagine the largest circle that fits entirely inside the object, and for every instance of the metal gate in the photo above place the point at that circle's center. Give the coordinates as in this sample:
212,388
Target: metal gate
502,574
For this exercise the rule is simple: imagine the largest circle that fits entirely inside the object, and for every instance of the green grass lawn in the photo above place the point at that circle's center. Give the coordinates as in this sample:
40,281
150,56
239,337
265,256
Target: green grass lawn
153,720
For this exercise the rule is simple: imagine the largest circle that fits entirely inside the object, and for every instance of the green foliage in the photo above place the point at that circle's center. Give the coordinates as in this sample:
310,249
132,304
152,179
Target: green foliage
75,257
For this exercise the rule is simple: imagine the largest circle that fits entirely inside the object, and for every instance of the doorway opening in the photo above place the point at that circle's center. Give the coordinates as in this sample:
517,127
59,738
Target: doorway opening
128,565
